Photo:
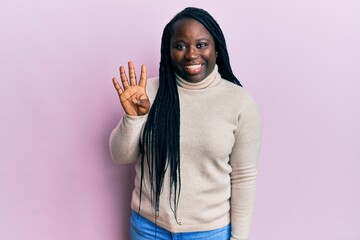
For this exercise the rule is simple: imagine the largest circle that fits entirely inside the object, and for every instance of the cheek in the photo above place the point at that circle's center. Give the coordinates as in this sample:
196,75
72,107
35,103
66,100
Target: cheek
212,56
175,56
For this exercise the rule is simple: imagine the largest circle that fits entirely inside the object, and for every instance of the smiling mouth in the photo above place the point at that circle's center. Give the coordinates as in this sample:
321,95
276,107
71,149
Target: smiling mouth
193,67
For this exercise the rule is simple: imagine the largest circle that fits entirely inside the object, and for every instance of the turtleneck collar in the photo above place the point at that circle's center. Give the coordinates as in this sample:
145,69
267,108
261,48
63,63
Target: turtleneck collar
212,80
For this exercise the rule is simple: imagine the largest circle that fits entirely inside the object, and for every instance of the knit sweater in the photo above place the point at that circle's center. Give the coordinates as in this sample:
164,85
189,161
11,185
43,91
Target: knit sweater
219,146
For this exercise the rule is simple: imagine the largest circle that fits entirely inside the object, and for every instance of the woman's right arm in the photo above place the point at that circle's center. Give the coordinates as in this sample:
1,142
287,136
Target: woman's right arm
125,138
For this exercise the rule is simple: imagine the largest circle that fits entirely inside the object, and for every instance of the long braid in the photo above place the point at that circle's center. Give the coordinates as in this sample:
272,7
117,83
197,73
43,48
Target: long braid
161,138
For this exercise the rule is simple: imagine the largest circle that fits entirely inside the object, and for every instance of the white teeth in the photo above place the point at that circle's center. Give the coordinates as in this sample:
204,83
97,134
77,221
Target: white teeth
193,66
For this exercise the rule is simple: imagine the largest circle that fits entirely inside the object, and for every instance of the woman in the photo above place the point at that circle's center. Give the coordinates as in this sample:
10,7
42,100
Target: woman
196,132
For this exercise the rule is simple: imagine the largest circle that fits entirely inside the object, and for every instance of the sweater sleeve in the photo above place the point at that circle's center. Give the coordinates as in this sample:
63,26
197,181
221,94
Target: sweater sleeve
125,139
243,161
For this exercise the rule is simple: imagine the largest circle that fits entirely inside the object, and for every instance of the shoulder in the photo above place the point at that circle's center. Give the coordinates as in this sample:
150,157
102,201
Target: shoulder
243,104
237,94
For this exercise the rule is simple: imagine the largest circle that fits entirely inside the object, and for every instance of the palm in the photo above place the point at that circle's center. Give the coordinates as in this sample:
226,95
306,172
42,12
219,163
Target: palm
129,99
133,96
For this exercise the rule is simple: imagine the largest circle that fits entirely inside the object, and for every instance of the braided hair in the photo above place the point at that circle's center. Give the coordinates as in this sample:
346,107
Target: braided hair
161,138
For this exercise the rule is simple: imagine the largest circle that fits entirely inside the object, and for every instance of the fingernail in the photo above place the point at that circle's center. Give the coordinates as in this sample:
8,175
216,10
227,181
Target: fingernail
135,101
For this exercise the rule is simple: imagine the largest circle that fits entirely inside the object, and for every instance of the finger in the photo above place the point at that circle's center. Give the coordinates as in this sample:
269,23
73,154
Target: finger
144,103
123,77
142,81
117,86
132,74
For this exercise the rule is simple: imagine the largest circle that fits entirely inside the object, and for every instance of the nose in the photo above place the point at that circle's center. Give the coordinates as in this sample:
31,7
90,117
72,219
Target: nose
192,53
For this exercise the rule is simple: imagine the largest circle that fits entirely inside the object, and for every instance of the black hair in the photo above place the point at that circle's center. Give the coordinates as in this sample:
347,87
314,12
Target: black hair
161,137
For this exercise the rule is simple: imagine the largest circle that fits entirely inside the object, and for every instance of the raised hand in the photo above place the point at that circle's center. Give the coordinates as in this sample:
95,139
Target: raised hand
133,97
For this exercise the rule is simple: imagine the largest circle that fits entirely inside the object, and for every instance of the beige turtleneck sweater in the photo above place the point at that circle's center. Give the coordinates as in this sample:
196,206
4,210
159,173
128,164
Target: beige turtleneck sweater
219,147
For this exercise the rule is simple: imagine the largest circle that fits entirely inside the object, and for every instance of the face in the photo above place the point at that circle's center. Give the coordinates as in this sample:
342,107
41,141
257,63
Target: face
192,50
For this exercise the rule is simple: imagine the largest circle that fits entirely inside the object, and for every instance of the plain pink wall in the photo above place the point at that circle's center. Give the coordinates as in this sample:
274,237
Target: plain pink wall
300,60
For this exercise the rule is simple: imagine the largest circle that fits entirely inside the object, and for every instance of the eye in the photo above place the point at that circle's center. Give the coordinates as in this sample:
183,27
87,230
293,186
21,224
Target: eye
179,46
201,45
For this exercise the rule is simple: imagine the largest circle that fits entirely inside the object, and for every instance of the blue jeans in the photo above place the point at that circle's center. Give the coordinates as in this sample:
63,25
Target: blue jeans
143,229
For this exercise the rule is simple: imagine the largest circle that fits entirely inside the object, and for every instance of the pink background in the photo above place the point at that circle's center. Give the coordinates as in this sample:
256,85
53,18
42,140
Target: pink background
300,60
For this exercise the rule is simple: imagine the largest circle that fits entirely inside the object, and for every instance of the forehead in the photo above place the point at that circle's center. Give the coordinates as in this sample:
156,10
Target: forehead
189,28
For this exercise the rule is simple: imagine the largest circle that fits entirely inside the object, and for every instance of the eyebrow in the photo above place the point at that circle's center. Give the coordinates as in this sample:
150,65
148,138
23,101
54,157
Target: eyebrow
198,40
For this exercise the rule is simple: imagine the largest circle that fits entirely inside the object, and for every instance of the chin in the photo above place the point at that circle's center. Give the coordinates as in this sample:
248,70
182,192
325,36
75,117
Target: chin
194,78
